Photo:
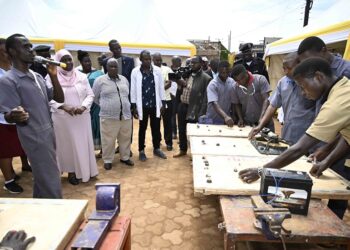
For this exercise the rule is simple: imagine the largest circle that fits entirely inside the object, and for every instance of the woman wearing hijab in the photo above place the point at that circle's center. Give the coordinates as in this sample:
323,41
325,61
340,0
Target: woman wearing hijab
92,74
71,121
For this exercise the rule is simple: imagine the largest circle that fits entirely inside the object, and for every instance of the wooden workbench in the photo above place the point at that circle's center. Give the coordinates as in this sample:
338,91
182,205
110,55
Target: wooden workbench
204,145
219,153
224,180
217,131
52,221
319,226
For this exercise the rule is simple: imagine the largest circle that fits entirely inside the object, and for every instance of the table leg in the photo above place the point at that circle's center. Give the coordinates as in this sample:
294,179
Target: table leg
229,242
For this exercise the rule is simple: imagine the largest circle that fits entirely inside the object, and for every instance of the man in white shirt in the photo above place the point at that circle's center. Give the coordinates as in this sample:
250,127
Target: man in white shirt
148,101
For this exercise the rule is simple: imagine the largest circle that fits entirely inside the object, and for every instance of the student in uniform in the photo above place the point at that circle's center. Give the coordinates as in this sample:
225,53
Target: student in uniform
316,79
220,96
24,99
251,93
299,112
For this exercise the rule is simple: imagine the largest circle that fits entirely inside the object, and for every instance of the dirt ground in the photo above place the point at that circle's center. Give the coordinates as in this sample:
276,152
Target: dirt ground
158,195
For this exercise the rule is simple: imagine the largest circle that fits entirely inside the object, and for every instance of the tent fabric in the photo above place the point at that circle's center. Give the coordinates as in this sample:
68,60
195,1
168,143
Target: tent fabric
274,52
275,69
90,25
331,34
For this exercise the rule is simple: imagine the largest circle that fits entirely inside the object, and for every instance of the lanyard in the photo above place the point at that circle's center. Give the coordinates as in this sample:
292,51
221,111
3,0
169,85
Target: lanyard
36,82
245,90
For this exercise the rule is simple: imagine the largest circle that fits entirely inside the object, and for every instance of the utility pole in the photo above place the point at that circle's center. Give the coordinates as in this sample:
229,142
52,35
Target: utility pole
308,7
229,42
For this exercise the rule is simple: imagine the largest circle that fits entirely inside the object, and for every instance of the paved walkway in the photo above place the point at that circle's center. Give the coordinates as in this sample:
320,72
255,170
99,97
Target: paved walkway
158,195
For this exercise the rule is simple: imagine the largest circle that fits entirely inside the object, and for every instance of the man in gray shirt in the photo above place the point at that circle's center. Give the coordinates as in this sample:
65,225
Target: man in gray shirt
299,112
251,93
315,46
220,96
111,94
24,99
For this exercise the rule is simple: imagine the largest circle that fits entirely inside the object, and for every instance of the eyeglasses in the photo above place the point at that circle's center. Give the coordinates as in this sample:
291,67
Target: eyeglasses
245,90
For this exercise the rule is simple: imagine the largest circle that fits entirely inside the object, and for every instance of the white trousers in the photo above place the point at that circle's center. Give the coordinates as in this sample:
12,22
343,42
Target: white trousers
112,130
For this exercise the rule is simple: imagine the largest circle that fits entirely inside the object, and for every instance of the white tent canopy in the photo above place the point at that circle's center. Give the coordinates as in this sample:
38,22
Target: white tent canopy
91,24
332,34
336,37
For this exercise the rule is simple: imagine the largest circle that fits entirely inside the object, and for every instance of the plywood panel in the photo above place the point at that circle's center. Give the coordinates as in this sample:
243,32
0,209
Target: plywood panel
223,173
52,222
222,146
217,130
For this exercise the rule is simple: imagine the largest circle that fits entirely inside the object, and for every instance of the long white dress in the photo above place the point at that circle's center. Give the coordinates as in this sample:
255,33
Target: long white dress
74,143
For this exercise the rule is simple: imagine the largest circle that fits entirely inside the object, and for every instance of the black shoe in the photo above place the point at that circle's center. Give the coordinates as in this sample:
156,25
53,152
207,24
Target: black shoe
159,153
128,162
107,166
27,168
13,188
169,147
142,156
72,179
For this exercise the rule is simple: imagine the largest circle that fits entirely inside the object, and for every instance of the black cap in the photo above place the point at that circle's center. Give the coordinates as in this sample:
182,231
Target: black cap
245,47
42,48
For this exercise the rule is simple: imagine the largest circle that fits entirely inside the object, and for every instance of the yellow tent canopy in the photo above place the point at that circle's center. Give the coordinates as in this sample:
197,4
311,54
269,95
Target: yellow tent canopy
128,48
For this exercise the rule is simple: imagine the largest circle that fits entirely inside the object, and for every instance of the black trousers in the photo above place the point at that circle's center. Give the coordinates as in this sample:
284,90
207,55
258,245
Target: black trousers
339,206
167,124
173,117
182,122
155,128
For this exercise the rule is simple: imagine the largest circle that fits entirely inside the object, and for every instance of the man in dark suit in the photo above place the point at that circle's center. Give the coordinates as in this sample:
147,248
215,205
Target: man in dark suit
126,64
255,65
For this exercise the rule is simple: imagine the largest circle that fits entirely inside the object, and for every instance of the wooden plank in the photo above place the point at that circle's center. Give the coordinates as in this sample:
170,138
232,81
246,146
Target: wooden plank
223,173
117,237
52,222
217,130
222,146
319,226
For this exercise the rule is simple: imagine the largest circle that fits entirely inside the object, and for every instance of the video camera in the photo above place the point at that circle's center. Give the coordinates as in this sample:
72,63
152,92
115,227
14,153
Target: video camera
182,72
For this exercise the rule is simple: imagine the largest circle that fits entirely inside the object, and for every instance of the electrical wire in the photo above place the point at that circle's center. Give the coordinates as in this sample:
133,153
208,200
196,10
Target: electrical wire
283,242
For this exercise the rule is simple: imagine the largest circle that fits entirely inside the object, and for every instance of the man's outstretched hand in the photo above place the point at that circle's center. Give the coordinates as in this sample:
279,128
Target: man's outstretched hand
249,175
16,240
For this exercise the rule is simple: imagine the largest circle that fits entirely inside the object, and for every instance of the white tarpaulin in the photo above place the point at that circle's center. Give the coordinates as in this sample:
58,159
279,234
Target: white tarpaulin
332,34
93,23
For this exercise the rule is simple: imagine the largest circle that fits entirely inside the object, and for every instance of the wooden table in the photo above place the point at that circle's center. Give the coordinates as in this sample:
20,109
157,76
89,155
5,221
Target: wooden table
223,173
217,131
52,221
118,236
205,145
319,226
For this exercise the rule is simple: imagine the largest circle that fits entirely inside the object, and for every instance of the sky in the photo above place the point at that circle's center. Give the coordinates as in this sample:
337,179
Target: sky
171,21
252,20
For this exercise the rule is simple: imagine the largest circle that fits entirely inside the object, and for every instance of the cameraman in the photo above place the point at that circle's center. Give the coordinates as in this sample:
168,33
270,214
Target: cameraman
193,101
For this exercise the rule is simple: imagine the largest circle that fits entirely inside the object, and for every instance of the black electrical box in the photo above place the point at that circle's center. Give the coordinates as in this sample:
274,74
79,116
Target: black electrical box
286,188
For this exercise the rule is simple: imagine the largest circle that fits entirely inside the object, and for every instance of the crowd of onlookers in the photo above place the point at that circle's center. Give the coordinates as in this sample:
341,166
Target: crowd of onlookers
59,117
